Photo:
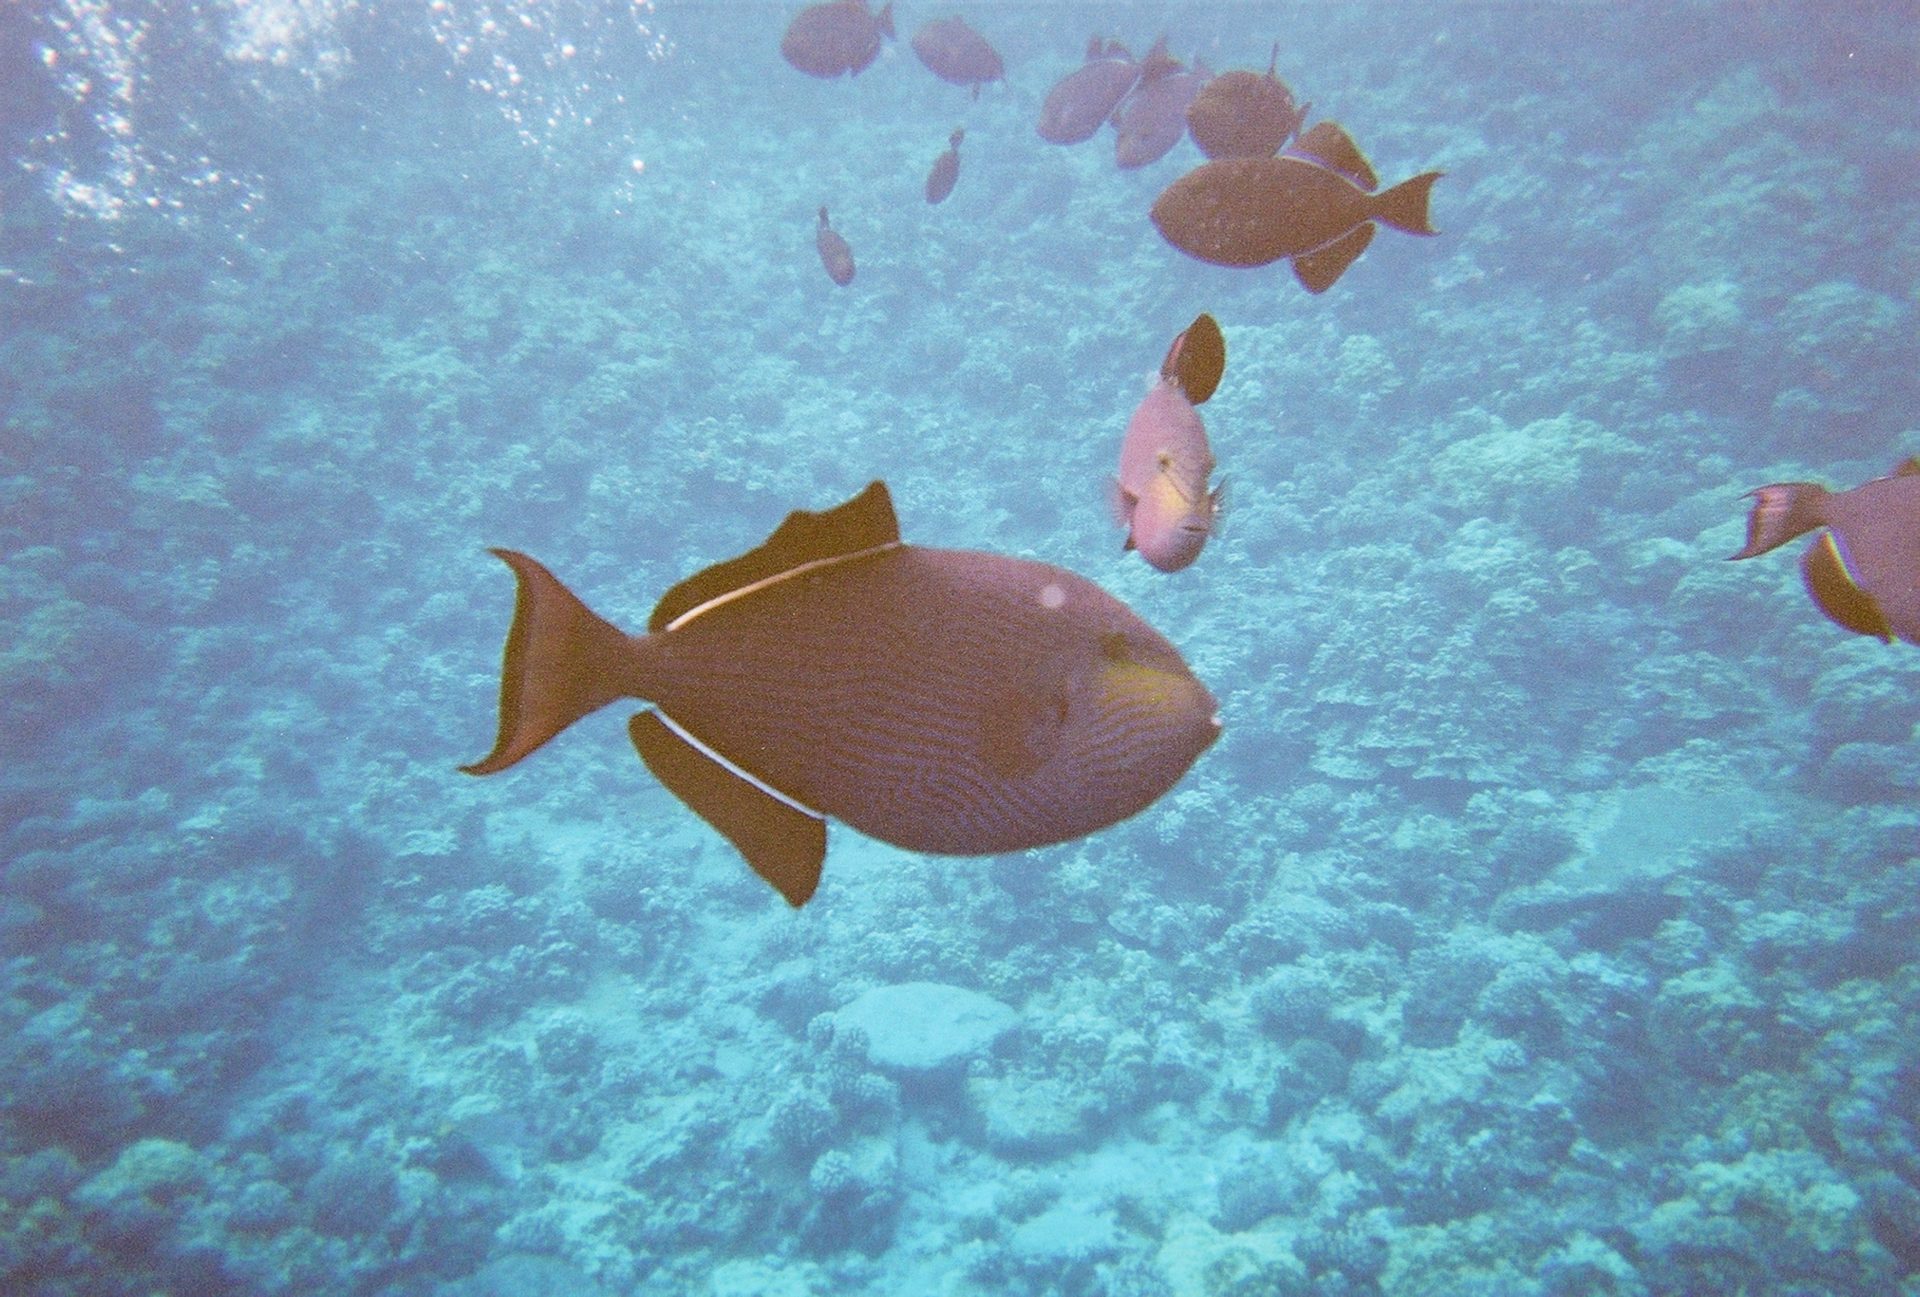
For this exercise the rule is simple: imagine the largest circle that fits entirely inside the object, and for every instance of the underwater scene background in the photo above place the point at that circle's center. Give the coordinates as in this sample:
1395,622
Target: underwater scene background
1543,922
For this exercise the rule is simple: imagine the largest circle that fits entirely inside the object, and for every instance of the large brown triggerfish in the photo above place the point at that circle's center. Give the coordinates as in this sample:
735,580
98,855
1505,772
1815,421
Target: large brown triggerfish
942,700
1864,569
1313,205
1161,495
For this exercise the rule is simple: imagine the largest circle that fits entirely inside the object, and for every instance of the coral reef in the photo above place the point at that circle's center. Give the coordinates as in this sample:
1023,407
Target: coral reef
1541,924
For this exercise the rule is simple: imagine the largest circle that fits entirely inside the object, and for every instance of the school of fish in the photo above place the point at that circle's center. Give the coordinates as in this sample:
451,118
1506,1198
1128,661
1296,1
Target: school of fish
969,703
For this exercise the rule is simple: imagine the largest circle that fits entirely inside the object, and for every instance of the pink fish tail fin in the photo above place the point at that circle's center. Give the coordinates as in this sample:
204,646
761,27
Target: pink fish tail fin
1404,206
562,661
1782,511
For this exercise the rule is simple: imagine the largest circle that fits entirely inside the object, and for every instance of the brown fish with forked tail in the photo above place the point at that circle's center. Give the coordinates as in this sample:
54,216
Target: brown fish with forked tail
1313,205
835,255
942,700
1863,571
946,168
1161,495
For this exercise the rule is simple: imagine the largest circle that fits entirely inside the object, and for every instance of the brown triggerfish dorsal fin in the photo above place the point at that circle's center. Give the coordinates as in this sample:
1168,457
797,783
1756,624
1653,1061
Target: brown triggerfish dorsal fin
1333,148
804,541
1837,594
1196,359
786,843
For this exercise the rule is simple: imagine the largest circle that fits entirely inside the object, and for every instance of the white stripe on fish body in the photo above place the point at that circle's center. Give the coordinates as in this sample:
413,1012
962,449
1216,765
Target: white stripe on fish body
739,771
766,581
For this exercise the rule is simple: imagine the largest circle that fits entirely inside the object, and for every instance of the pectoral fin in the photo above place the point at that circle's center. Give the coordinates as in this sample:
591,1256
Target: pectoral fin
1830,581
1021,727
784,842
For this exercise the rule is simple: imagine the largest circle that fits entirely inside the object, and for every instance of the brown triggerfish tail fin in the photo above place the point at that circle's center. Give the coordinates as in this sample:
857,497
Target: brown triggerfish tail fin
562,661
1835,592
1782,511
1196,359
1404,206
785,842
803,541
1317,270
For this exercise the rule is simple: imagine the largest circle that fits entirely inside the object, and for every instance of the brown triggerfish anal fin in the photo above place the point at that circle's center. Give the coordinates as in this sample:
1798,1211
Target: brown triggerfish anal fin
1317,270
562,661
864,523
784,842
1837,594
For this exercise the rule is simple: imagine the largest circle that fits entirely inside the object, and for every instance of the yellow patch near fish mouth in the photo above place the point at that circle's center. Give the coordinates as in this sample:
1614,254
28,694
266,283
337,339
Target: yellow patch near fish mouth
1124,681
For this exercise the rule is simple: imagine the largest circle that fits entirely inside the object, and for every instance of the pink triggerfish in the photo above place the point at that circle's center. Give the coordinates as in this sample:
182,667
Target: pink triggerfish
942,700
1863,571
1161,495
836,37
946,168
1313,205
835,255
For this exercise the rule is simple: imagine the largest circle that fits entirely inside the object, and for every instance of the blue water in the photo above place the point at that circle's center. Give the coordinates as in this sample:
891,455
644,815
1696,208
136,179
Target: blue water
1543,923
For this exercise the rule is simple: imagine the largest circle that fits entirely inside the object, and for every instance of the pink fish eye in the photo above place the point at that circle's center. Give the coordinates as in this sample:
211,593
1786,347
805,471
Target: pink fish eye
1053,595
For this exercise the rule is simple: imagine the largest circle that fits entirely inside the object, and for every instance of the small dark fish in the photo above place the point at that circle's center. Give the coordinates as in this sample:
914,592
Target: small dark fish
942,700
1863,571
1161,495
1241,114
957,53
1313,205
839,36
1154,117
946,169
835,255
1086,97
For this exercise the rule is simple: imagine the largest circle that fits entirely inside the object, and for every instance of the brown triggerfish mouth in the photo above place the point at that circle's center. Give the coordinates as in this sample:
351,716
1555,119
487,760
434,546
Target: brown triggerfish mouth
1863,571
1161,495
1314,205
942,700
